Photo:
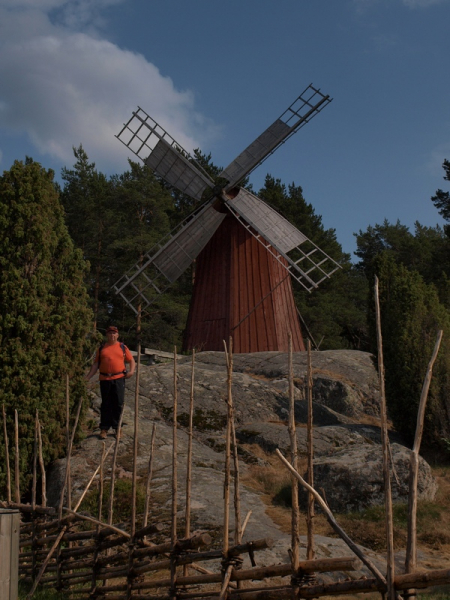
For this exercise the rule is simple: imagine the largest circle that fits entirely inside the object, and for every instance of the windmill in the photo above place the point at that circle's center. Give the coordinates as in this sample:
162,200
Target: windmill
246,253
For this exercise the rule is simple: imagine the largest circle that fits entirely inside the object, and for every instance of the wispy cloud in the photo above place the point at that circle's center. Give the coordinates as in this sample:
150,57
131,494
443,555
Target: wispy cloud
64,84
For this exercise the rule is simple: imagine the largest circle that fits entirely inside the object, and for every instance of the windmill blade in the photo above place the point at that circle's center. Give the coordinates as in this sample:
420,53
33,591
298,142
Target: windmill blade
310,102
284,236
306,262
154,146
166,261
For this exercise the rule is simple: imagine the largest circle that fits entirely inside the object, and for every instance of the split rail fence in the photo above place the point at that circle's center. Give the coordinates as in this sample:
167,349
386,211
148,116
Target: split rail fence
86,557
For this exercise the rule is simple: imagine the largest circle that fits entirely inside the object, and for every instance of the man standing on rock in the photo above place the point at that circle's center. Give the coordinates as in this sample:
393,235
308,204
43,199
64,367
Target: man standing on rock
110,362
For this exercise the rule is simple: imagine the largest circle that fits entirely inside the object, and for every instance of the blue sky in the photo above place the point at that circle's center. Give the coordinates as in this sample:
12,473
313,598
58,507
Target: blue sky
216,74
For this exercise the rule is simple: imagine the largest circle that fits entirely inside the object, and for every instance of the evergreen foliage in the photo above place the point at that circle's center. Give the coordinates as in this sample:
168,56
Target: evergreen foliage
441,200
115,221
425,251
411,315
142,212
87,198
44,317
414,273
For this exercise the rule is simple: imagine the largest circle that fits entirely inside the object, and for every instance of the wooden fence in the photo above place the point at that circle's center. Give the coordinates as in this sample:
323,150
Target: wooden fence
88,558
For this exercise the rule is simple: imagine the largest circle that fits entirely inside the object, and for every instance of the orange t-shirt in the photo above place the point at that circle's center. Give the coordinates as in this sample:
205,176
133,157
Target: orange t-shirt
112,361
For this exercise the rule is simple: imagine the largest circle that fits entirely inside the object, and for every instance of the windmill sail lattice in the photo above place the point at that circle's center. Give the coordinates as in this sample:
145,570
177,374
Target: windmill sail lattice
157,149
310,102
168,259
306,262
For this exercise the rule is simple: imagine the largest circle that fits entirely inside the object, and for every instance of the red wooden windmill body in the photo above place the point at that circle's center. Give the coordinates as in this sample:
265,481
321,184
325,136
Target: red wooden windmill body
241,290
245,252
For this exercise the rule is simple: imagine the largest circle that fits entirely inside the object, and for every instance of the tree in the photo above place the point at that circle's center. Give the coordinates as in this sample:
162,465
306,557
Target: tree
44,315
86,197
442,199
142,208
426,251
411,315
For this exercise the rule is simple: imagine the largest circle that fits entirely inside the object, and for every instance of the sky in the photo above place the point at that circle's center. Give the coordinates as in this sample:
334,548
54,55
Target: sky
216,74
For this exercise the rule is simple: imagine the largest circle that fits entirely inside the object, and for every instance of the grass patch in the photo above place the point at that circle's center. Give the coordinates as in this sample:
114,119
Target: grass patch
366,527
204,420
40,593
122,501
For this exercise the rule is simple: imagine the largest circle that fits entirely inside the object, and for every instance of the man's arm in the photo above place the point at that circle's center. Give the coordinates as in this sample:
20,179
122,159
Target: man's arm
92,372
132,364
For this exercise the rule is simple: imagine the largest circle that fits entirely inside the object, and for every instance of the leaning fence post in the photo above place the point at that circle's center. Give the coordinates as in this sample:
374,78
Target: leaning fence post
16,458
390,575
411,548
295,516
310,551
173,532
42,467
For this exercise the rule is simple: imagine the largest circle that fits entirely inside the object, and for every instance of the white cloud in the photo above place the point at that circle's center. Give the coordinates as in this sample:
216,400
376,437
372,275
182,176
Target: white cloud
62,87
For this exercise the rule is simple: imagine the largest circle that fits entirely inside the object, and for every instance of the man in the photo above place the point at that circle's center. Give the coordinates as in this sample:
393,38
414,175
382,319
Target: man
110,362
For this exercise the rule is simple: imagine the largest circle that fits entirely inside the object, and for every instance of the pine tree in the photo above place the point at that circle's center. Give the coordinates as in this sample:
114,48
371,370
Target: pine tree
426,251
87,199
411,316
44,317
441,199
142,207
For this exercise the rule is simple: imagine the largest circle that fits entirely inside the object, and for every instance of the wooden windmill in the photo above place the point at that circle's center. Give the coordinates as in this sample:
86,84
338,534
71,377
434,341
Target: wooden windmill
245,252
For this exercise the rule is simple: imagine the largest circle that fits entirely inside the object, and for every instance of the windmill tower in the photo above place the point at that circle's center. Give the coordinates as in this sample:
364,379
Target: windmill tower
245,252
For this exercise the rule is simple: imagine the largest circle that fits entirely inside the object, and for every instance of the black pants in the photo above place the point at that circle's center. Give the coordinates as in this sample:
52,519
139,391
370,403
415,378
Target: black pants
113,396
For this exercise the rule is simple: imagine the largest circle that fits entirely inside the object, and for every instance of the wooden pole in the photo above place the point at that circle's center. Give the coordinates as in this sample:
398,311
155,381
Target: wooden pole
35,453
173,535
69,453
136,435
42,467
258,573
295,514
113,474
411,548
310,551
149,477
390,558
7,465
187,530
237,496
69,478
101,484
100,510
246,520
226,490
16,457
174,451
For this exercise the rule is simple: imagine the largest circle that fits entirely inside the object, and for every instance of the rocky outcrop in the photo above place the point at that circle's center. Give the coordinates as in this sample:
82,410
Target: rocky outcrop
351,478
346,435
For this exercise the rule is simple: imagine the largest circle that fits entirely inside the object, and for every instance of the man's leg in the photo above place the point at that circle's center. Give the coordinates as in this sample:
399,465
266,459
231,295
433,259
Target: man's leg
106,410
118,402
